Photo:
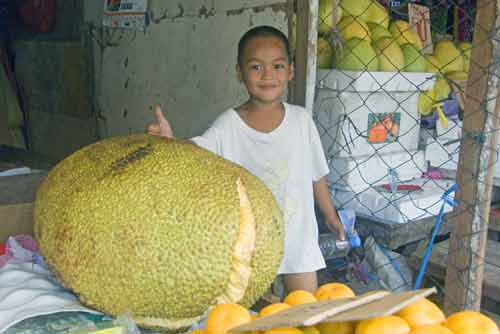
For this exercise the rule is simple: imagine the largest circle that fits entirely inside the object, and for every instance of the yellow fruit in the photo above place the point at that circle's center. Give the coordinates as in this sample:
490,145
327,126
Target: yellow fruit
377,32
404,33
310,330
196,228
426,101
273,308
298,297
383,325
355,8
414,60
352,27
283,330
422,312
449,56
441,89
470,322
336,327
433,64
390,55
226,316
325,15
466,49
431,329
325,53
333,291
197,331
457,76
376,13
356,55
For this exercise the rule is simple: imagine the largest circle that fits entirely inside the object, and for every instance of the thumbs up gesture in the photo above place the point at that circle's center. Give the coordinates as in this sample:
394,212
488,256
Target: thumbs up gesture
161,127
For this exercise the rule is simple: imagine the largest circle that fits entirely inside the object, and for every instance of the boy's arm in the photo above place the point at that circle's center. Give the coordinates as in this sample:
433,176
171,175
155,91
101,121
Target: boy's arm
322,196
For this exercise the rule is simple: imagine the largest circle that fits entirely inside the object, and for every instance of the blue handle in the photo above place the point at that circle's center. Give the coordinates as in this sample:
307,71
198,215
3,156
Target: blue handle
439,219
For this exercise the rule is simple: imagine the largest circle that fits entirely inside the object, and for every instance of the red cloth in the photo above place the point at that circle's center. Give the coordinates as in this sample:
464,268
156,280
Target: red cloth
2,249
38,15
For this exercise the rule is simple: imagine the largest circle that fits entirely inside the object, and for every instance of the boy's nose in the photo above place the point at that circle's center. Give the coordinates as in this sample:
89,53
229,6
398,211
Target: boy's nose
267,73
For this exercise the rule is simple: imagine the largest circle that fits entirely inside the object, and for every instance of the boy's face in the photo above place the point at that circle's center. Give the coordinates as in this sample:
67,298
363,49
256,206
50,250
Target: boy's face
266,69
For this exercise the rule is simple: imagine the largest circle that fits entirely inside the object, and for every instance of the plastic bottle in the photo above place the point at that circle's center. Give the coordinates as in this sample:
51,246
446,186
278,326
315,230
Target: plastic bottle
331,247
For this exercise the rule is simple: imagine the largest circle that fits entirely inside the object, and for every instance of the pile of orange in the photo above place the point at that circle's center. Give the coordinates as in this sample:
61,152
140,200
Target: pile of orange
421,317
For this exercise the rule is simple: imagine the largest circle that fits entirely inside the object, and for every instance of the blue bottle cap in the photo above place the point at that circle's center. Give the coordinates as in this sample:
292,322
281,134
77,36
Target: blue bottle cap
355,241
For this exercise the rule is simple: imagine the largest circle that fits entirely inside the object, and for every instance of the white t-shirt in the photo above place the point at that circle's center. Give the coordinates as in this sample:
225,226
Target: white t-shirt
287,160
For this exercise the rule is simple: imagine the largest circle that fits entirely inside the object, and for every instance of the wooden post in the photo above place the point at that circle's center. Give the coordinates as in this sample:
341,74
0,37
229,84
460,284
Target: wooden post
464,273
302,90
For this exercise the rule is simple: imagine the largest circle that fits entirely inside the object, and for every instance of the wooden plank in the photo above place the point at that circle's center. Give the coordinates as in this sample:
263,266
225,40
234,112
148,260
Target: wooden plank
464,274
308,314
15,219
438,262
382,307
304,83
393,236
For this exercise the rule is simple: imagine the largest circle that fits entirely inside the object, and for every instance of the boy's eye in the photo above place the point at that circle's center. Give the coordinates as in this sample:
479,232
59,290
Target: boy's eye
279,66
255,66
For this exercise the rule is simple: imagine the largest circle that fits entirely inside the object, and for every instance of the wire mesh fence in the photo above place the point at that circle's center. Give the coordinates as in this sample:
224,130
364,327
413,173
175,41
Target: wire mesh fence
405,106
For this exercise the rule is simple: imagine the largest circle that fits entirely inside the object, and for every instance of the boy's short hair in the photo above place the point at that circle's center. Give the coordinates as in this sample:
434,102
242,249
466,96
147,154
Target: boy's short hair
262,31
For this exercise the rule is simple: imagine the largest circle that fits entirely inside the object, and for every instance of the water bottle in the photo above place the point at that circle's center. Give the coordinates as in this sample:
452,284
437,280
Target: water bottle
331,247
348,219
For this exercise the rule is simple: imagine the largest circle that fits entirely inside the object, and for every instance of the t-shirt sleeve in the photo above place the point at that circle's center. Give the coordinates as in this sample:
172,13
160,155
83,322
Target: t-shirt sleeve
208,140
318,158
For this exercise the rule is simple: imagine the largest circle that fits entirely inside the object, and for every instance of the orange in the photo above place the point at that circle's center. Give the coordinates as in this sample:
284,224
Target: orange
298,297
383,325
470,322
284,330
273,308
226,316
333,291
422,312
431,329
197,331
336,327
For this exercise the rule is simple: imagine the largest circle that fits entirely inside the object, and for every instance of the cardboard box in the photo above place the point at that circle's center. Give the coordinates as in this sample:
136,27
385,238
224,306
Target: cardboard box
370,305
400,207
363,113
17,195
362,173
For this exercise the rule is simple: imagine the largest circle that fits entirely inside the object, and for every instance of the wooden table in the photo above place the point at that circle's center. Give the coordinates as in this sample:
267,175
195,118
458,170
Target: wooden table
439,257
394,235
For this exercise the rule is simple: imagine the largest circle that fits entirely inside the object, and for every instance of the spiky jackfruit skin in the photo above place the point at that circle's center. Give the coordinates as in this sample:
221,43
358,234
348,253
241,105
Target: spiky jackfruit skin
148,225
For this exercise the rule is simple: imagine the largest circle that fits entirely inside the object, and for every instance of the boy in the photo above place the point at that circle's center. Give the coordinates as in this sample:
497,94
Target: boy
278,143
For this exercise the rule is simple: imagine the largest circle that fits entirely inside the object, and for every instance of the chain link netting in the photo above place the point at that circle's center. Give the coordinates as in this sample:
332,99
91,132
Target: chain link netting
389,106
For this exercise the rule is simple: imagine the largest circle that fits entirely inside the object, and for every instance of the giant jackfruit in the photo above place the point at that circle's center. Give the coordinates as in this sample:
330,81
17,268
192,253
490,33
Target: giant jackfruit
160,228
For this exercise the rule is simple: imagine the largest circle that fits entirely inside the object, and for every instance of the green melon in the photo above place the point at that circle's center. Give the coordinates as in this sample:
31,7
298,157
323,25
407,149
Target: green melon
357,55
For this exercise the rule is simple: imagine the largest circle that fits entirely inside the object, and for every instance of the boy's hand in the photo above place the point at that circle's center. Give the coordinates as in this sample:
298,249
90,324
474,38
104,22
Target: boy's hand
336,226
161,127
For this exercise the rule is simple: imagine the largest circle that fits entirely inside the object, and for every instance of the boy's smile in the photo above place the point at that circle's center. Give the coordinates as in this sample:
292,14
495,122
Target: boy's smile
266,69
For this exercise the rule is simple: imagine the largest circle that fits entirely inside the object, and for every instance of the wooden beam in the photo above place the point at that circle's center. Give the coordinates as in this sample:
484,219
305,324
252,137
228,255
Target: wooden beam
465,270
306,34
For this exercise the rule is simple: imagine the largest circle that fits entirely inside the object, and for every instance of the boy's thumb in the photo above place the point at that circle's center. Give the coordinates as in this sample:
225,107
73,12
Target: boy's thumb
159,114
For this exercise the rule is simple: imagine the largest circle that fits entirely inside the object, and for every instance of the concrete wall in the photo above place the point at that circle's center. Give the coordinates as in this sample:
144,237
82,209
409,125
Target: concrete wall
184,61
84,81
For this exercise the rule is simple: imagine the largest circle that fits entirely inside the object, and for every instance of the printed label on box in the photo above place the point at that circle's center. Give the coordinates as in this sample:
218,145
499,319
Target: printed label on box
383,127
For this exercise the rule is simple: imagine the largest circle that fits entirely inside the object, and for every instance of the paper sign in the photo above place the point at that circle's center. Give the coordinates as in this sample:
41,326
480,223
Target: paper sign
130,14
419,17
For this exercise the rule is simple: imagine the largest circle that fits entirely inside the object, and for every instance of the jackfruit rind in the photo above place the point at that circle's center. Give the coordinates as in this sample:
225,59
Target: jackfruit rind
149,225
